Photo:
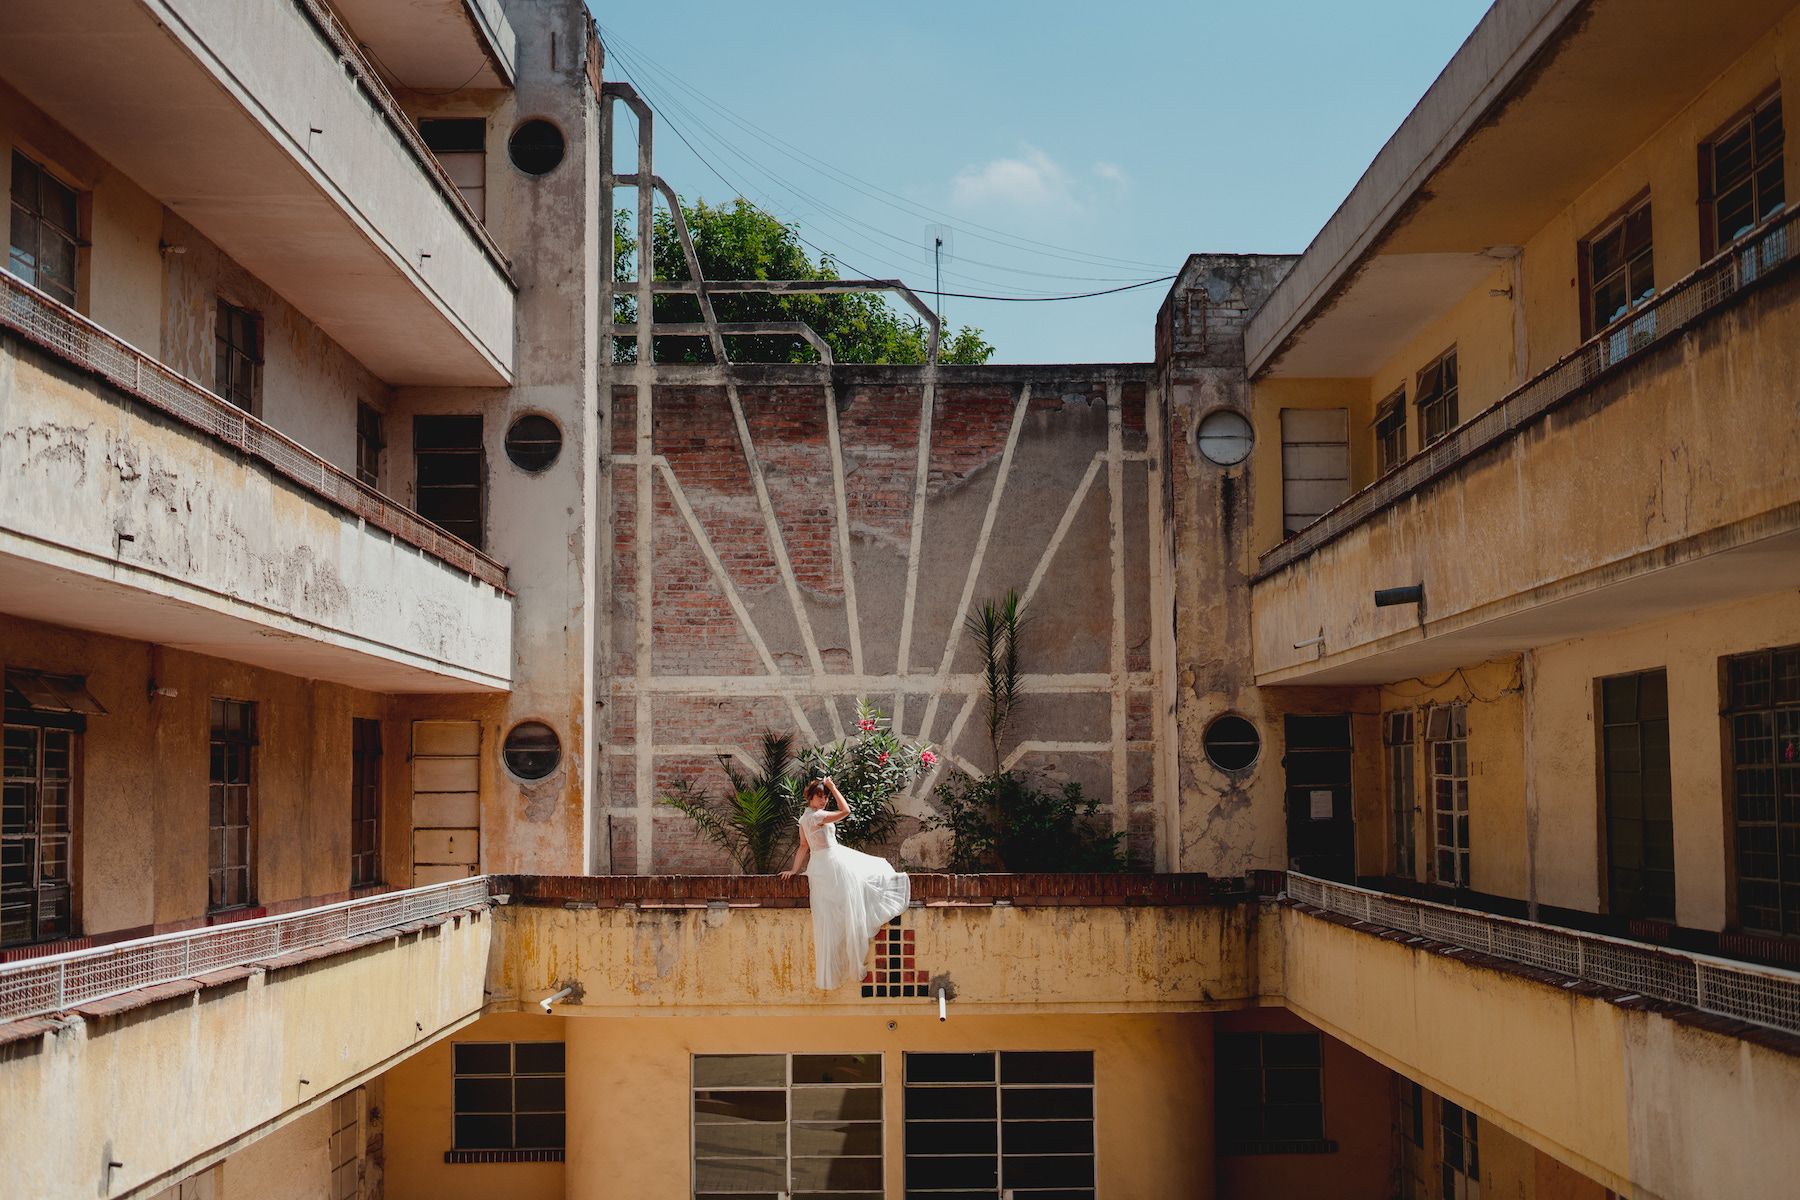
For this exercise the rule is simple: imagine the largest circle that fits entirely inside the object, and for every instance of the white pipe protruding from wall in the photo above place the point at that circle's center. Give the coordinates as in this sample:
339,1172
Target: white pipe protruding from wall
943,1013
547,1001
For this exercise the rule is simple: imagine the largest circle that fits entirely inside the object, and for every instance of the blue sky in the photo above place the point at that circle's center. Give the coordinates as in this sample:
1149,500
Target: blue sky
1069,147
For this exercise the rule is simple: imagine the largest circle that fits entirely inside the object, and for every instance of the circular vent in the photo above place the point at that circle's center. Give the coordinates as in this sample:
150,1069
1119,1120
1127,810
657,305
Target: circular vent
532,750
533,443
536,147
1225,438
1232,743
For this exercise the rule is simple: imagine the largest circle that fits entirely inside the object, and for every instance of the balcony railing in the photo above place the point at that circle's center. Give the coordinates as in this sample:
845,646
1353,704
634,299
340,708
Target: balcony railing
1680,306
64,981
929,890
1761,995
78,341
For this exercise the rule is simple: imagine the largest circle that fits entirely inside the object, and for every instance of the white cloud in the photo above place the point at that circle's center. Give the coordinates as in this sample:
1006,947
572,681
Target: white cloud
1031,180
1111,172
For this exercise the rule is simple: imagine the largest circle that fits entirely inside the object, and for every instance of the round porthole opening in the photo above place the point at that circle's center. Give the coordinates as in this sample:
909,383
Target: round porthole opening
1224,438
536,147
532,750
533,443
1232,743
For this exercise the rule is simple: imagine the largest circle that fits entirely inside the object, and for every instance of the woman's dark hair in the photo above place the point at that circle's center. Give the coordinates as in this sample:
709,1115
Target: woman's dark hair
815,788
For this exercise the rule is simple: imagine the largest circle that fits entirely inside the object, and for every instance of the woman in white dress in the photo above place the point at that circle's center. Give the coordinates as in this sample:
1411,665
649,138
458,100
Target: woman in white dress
853,894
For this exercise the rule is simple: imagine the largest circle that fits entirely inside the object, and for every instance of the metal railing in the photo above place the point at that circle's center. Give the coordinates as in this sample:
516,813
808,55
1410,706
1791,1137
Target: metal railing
1763,995
1680,305
64,981
78,341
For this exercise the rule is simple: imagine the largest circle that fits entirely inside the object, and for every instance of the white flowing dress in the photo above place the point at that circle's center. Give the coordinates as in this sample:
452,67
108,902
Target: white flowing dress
853,895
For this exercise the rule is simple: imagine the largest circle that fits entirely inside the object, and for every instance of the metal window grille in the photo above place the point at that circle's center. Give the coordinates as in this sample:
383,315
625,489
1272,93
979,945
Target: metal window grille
36,802
45,230
1748,176
1680,305
1015,1122
1762,995
61,331
365,802
1621,268
509,1095
450,467
787,1124
1762,705
237,356
229,832
56,983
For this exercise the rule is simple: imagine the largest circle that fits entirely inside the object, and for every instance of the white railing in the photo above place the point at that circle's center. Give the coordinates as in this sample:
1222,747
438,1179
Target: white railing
1681,305
1763,995
63,981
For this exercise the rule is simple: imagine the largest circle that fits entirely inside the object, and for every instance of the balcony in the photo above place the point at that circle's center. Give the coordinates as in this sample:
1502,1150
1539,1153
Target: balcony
260,122
134,1065
135,503
1647,1069
1634,480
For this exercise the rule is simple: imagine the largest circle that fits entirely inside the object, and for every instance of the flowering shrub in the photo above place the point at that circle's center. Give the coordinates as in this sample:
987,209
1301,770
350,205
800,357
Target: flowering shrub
870,768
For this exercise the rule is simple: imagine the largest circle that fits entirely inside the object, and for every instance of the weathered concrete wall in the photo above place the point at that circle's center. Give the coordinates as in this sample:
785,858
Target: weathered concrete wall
248,559
1037,480
997,959
171,1087
1646,1105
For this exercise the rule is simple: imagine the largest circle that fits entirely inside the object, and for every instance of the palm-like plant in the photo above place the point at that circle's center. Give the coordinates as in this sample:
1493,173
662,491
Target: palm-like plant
754,821
995,627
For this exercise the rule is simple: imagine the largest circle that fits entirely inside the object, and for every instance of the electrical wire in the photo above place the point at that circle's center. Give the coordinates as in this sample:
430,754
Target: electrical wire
1042,299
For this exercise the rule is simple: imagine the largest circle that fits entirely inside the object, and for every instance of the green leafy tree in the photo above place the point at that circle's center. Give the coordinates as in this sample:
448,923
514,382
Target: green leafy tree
754,821
870,768
995,627
740,241
1003,822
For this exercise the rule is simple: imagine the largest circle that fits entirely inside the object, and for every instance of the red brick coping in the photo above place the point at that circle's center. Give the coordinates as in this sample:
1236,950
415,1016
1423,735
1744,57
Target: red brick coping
771,891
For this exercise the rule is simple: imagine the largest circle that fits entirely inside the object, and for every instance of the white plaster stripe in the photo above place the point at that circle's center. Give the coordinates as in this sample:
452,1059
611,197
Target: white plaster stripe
673,750
841,495
973,575
1024,748
1165,766
856,685
956,728
921,484
1115,520
778,547
723,578
1062,528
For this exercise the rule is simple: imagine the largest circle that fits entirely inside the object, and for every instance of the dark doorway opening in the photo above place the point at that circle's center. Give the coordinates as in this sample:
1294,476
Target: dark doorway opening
1321,825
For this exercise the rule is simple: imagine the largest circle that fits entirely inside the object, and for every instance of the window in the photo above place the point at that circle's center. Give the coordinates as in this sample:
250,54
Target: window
1224,438
369,445
36,821
1621,269
345,1146
228,835
1640,823
1315,464
460,145
1412,1112
532,750
1390,431
45,230
1447,748
1461,1157
1436,399
237,359
533,442
509,1102
365,802
1742,180
448,450
800,1124
1397,748
536,147
1231,743
1268,1094
1023,1124
1762,704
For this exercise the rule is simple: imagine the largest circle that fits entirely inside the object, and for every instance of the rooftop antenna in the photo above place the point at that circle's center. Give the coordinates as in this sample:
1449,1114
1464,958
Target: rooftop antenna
941,241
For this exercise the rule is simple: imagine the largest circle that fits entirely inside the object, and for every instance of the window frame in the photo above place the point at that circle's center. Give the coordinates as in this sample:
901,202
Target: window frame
424,455
1733,714
1616,222
513,1152
1226,1096
1400,750
230,742
1461,1180
1460,845
366,793
238,369
40,221
1000,1087
1711,241
370,442
1439,401
1390,432
31,837
1613,758
788,1121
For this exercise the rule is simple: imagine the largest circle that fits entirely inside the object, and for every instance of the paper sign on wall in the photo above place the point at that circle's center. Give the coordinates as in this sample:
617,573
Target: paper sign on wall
1321,805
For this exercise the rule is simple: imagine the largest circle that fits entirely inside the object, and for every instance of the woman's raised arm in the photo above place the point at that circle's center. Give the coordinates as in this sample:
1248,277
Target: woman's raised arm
843,808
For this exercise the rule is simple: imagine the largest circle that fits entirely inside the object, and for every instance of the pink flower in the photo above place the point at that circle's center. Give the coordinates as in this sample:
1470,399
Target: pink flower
866,725
927,758
883,758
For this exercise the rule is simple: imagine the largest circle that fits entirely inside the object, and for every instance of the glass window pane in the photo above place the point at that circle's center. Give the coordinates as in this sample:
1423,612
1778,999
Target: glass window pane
1047,1067
538,1058
484,1132
483,1058
950,1068
722,1106
837,1068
